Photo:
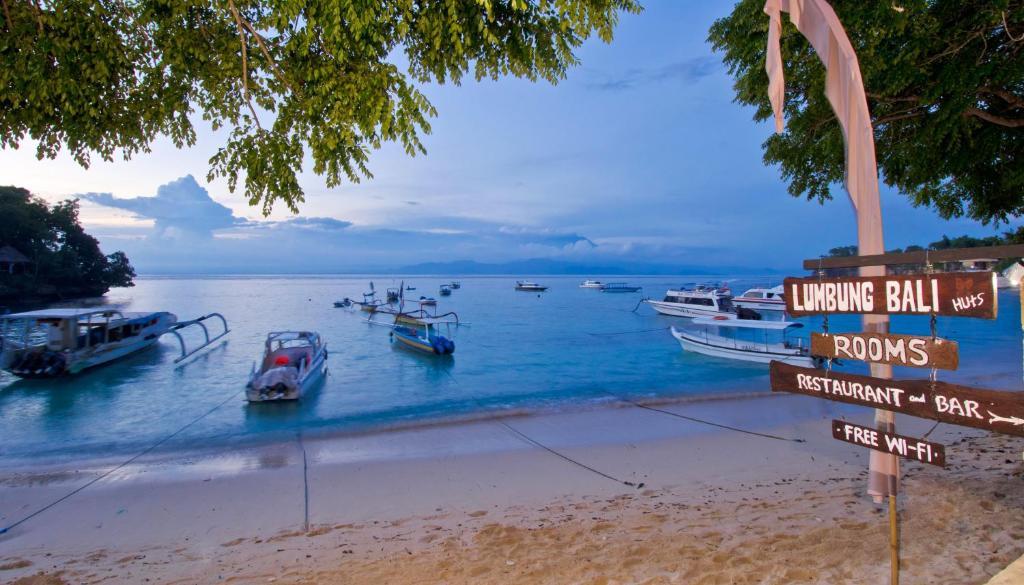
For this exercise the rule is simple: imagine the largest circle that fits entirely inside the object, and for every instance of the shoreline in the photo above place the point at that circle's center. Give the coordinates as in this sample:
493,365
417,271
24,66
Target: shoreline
475,503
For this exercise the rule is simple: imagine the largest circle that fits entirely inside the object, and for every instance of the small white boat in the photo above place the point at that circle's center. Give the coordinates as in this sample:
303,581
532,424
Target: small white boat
55,342
591,284
293,362
762,299
526,285
705,336
701,301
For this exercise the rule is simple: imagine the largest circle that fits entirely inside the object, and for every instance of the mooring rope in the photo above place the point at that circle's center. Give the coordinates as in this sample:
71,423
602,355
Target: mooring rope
559,454
120,466
305,484
702,421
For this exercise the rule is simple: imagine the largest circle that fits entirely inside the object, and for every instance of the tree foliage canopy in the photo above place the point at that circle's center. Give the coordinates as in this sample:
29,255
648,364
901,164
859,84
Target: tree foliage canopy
66,261
286,78
945,86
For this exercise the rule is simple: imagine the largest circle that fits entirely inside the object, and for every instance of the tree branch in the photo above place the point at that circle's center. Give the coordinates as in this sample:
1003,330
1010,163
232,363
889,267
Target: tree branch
1007,96
7,15
1007,29
998,120
266,53
245,62
900,116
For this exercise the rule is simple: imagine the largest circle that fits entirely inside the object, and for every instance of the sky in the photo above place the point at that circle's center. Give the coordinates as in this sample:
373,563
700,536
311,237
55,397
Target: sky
640,157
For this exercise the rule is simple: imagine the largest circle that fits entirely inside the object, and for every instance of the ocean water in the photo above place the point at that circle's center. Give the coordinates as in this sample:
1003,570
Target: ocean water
517,351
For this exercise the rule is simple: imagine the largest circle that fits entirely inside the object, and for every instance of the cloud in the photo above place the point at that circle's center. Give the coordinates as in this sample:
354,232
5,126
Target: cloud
179,207
687,70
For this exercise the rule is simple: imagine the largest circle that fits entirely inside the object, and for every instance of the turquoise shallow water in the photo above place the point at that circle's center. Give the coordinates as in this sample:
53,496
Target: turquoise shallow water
521,351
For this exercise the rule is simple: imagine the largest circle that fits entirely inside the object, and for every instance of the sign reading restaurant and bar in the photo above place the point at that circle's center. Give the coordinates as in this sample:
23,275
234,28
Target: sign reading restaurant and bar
907,447
991,410
956,294
888,348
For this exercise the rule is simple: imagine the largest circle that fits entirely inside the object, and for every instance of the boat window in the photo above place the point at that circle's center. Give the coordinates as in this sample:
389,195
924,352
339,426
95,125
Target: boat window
769,295
724,304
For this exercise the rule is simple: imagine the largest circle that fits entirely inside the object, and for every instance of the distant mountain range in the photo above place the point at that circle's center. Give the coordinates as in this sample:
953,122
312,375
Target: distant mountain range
548,266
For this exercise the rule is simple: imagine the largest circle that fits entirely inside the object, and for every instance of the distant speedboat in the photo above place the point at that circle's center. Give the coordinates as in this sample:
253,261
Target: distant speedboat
700,301
293,362
446,290
762,299
591,284
619,287
706,337
525,285
55,342
410,287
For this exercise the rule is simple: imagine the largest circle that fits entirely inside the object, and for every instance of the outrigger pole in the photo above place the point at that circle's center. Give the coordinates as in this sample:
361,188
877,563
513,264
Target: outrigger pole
206,333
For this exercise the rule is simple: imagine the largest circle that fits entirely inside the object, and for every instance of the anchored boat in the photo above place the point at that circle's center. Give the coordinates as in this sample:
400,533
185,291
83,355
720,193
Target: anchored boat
591,284
619,287
293,362
54,342
455,285
526,285
725,338
423,336
700,301
762,299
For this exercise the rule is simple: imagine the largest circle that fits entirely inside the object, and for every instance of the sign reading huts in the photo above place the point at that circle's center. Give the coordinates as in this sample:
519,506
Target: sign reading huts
958,294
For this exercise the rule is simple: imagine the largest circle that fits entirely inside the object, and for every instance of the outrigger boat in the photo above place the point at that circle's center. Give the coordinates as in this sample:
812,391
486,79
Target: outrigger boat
619,287
424,336
428,302
700,301
55,342
445,291
393,295
526,285
455,285
762,299
293,362
706,338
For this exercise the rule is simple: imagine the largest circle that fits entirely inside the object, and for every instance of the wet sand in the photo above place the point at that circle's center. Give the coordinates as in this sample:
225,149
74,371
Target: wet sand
478,503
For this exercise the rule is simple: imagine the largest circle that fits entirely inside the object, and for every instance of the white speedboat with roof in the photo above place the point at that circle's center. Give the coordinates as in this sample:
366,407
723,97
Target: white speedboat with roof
700,301
54,342
526,285
762,299
293,362
745,339
591,284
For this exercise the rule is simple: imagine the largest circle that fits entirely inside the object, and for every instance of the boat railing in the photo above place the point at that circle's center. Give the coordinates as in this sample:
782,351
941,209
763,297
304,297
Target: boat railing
206,334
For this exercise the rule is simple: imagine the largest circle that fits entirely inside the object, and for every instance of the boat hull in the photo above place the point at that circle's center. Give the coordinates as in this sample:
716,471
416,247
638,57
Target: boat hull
759,304
743,351
313,376
679,310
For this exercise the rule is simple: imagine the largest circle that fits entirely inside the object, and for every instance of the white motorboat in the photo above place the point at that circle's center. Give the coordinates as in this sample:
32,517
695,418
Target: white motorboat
762,299
725,338
54,342
526,285
591,284
700,301
293,362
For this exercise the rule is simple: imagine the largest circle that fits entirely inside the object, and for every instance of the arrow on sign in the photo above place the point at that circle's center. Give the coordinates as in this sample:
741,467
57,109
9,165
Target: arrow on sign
1013,420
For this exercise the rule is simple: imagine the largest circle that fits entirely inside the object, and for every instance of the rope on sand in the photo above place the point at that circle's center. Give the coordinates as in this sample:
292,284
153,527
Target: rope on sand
702,421
305,484
120,466
561,455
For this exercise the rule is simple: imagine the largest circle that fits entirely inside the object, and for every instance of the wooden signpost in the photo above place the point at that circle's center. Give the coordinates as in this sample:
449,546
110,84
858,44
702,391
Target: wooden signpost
990,410
888,348
955,294
906,447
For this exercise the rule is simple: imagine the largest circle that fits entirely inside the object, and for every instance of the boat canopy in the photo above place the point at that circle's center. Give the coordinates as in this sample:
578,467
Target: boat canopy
64,313
747,323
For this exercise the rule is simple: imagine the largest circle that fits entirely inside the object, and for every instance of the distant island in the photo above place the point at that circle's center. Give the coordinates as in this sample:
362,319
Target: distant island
548,266
45,254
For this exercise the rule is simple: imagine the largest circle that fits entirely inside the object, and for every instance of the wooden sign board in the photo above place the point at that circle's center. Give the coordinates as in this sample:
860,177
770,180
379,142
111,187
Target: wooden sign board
991,410
888,348
953,294
903,446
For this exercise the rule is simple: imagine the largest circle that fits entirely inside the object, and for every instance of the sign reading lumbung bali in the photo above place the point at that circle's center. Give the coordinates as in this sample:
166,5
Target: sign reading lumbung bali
908,447
991,410
888,348
957,294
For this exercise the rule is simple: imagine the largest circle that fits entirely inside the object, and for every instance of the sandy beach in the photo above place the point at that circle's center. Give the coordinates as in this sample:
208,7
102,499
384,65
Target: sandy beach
477,503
